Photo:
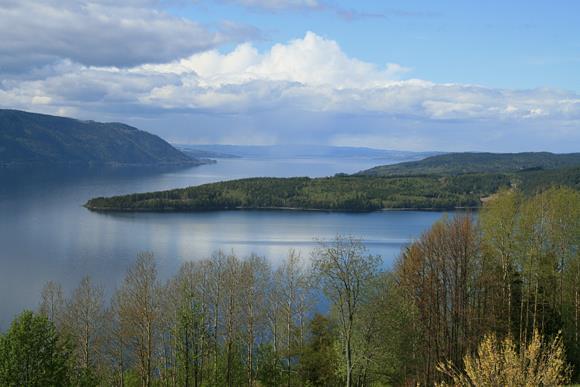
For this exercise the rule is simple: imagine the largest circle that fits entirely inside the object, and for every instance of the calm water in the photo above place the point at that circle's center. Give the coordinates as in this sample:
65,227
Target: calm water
46,234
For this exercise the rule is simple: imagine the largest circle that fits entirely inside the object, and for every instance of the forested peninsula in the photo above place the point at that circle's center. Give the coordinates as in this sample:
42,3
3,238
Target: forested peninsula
362,192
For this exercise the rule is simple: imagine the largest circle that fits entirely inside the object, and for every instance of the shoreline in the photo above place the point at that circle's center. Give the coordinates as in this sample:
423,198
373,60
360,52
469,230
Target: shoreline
92,164
282,209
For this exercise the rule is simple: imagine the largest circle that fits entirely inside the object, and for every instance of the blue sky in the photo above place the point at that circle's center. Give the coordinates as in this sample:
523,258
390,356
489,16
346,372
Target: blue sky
424,75
514,44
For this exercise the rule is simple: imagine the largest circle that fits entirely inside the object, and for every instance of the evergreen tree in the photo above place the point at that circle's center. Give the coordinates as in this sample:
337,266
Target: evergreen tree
33,354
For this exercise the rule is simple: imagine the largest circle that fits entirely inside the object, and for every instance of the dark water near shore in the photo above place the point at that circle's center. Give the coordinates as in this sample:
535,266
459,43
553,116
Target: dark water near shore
46,234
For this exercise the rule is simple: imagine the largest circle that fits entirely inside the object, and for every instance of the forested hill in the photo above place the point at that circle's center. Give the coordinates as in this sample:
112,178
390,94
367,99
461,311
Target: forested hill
39,139
341,193
459,163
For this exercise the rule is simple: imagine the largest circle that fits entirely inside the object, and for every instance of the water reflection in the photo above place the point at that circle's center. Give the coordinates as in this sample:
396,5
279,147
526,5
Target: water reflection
46,234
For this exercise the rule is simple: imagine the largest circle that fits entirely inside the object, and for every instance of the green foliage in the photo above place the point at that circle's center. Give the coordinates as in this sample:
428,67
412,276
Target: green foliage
36,139
270,370
319,365
514,273
32,354
462,163
388,333
351,193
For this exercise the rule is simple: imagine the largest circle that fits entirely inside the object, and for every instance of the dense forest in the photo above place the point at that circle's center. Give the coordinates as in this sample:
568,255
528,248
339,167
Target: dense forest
491,300
342,192
474,162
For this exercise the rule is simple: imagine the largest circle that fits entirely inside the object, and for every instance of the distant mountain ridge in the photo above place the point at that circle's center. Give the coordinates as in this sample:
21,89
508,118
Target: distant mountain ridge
477,162
40,139
193,151
302,151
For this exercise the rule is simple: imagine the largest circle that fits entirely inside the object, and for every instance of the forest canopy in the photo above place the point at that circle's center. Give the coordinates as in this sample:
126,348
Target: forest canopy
342,192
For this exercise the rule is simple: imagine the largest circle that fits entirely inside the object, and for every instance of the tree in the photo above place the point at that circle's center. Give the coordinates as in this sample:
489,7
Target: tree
216,292
442,274
388,335
231,306
319,360
117,332
291,281
32,353
344,269
186,324
83,323
539,363
499,226
255,275
52,302
139,310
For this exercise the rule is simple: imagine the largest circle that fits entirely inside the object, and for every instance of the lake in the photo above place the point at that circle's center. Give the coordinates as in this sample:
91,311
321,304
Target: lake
46,234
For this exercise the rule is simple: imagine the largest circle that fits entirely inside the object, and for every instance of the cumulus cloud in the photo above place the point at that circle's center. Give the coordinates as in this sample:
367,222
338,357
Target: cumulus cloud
120,33
314,74
312,60
307,88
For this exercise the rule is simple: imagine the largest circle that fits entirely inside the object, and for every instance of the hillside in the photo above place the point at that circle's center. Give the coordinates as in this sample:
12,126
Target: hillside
459,163
39,139
341,193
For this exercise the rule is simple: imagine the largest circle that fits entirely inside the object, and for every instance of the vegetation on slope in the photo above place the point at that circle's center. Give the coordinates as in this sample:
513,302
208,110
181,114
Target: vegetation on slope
343,193
38,139
460,163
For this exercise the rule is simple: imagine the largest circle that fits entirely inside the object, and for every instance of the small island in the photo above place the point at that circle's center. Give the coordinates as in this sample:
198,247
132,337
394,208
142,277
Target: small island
342,192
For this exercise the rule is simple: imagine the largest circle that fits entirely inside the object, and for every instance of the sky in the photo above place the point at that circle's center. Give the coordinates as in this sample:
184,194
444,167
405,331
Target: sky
440,75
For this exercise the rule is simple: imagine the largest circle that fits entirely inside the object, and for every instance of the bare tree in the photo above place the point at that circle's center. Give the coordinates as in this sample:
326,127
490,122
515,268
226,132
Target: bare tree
172,314
255,274
187,321
274,316
292,281
140,309
441,274
216,269
231,313
117,329
83,321
52,302
344,269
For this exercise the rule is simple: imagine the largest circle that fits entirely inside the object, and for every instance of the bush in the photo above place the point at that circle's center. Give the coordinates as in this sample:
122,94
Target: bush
539,363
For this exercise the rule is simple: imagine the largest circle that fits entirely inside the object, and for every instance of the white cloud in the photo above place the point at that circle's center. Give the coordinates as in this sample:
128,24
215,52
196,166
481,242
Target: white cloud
307,88
313,61
101,33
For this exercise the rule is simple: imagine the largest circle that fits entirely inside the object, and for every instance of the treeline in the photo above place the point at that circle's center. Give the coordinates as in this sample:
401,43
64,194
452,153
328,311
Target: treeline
222,321
343,193
511,276
515,272
477,162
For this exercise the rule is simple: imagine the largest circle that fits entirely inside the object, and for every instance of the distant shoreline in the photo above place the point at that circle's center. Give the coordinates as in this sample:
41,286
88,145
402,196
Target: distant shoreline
281,209
91,164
